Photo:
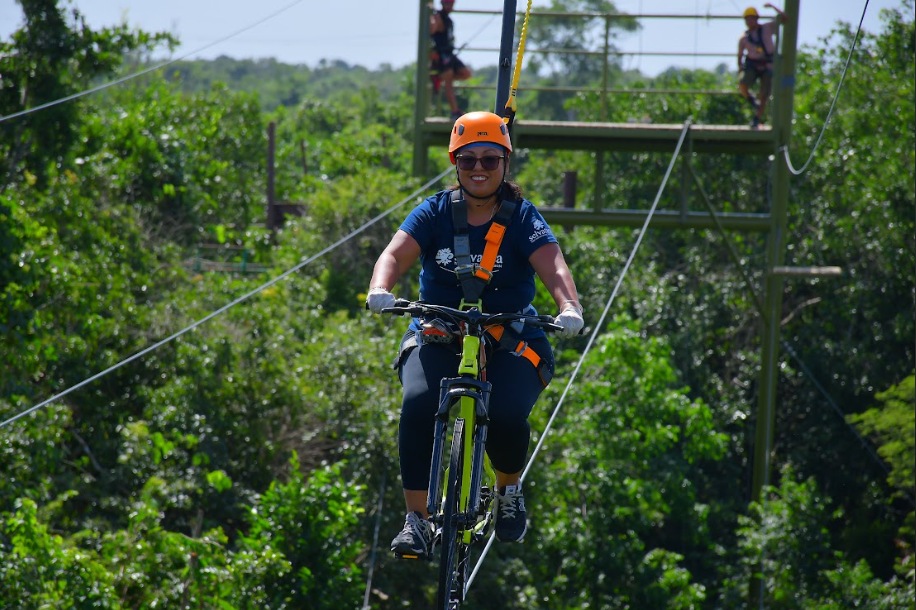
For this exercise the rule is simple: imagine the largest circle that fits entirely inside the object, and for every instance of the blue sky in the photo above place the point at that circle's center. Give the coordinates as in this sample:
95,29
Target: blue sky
373,33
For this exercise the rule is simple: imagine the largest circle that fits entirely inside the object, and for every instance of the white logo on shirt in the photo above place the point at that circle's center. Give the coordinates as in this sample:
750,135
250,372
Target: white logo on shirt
540,230
444,257
446,260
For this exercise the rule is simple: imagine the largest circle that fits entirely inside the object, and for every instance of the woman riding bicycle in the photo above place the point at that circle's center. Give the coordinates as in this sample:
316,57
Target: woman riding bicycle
450,232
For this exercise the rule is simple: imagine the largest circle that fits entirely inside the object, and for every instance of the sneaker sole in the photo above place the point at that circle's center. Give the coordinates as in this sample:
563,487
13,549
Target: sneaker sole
412,554
519,539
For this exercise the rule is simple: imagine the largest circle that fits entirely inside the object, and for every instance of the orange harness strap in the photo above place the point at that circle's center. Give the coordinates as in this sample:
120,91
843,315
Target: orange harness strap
494,238
519,349
474,277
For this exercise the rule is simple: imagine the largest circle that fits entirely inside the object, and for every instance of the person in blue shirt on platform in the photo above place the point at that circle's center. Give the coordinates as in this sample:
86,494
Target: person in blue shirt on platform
480,148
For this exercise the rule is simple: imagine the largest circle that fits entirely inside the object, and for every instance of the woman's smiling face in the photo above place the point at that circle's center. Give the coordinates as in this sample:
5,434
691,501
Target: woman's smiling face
477,179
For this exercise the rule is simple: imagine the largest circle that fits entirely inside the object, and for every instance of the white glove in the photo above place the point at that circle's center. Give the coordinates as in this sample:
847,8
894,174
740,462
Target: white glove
378,299
571,321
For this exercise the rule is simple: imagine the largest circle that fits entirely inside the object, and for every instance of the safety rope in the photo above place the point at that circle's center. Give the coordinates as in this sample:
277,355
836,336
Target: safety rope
785,148
592,336
222,309
512,100
148,70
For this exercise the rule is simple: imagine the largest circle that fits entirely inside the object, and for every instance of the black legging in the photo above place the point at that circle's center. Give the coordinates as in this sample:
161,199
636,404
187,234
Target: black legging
516,387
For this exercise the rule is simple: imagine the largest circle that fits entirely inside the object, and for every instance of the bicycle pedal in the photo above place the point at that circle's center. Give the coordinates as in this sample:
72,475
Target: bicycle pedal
413,557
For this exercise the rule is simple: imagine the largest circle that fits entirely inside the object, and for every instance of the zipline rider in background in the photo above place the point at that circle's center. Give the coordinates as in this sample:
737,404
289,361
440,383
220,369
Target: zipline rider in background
482,218
756,49
445,64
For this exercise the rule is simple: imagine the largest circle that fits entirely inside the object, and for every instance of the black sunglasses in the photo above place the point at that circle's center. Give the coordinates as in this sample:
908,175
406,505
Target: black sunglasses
469,162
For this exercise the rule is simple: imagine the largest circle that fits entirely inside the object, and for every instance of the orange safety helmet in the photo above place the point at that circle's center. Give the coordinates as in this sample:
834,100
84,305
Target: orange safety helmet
477,127
751,12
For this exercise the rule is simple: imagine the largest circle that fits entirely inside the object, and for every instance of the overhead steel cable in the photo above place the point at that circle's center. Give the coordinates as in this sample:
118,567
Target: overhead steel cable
592,336
224,308
758,305
785,148
378,526
836,408
148,70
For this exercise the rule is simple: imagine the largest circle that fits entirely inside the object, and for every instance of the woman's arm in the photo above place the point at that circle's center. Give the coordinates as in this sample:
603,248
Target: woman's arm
400,254
551,267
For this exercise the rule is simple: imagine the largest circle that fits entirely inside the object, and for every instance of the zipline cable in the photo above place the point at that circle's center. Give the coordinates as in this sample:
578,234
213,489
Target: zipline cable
378,526
836,408
222,309
477,33
785,148
758,304
592,336
147,70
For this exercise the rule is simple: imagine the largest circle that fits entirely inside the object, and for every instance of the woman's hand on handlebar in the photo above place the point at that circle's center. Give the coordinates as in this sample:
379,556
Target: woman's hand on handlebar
378,299
424,310
570,320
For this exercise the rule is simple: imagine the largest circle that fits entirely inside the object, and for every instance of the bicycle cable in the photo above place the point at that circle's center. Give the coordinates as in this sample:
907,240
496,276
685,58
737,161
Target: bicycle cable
224,308
785,148
147,70
592,336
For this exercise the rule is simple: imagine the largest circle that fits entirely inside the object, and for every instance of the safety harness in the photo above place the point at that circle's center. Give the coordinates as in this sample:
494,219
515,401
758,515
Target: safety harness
475,277
758,64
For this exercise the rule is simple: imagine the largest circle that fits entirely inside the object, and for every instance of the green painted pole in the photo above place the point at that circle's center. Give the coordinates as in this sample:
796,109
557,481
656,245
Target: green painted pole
782,110
784,90
421,100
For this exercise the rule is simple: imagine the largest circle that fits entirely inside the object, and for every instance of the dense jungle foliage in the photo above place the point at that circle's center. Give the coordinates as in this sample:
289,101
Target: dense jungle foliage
249,461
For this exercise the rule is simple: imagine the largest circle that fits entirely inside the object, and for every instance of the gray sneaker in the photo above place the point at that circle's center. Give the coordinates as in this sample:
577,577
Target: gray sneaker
511,518
416,538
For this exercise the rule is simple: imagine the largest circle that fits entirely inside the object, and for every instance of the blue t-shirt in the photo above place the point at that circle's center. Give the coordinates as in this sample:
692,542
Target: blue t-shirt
512,286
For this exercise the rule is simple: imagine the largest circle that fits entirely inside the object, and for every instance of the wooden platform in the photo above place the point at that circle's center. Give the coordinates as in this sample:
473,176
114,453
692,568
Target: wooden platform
568,135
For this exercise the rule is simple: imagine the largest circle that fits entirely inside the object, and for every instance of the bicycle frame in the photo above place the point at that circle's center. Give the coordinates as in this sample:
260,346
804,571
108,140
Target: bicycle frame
463,401
466,397
459,504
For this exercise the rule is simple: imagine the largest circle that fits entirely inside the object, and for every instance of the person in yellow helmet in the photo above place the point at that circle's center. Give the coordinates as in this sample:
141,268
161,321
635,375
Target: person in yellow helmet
446,67
480,149
756,49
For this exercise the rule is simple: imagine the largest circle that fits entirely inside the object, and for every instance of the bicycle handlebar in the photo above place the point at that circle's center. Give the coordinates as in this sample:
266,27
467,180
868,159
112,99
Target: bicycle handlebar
473,316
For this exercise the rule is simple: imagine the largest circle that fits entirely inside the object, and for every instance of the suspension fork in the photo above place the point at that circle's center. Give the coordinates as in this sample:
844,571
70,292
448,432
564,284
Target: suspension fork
466,397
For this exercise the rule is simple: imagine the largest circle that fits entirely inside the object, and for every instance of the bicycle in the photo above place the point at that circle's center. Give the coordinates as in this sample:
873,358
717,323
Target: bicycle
459,500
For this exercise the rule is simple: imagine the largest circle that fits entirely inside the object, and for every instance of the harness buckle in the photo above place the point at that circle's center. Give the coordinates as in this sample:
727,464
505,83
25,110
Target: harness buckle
485,274
469,268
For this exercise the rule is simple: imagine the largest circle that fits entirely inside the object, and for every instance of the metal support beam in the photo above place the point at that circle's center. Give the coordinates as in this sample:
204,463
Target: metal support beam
784,87
637,137
662,219
783,103
807,271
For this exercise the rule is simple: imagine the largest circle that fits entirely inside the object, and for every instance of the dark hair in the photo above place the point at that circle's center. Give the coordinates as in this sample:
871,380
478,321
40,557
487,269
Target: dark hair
515,191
